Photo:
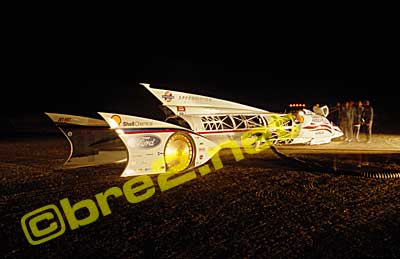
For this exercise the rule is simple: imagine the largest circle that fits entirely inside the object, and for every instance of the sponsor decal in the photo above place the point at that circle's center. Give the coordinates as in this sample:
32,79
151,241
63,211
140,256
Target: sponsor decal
181,108
144,141
137,123
168,96
190,98
317,119
62,119
117,119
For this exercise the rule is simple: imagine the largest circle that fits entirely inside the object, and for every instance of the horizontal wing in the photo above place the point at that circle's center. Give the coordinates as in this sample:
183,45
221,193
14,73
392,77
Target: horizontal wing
184,103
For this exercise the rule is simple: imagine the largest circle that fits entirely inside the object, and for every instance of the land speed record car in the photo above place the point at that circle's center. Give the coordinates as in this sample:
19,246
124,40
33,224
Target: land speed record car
195,129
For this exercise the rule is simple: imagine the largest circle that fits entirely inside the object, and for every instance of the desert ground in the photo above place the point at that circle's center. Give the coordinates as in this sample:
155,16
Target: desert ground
295,201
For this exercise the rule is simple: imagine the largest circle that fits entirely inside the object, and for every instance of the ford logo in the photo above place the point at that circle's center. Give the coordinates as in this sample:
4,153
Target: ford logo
144,141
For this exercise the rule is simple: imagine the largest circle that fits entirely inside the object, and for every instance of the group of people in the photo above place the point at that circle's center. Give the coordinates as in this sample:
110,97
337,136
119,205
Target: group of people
350,117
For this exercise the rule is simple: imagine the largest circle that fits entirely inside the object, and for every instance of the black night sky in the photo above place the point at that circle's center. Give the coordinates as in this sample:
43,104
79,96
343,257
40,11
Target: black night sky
111,84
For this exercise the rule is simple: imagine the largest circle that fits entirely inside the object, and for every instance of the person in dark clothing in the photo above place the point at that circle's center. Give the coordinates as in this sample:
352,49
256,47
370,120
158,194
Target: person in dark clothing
342,119
334,115
368,118
357,119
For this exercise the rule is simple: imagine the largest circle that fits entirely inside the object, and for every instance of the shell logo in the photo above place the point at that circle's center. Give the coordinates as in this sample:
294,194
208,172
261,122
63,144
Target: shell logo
117,119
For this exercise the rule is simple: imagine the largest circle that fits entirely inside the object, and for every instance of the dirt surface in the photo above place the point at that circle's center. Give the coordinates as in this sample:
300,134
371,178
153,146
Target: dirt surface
262,206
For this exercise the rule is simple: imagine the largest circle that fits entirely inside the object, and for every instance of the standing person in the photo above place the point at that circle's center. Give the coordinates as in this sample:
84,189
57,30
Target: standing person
348,119
343,121
368,118
335,114
316,108
358,111
341,117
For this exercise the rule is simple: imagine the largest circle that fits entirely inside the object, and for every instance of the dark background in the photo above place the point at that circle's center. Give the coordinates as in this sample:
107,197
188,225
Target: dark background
110,82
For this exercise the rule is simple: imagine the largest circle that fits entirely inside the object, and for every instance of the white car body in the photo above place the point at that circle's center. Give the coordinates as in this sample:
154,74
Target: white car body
199,125
220,120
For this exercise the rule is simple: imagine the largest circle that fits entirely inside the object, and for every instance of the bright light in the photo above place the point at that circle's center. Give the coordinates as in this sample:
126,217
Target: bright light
115,121
113,124
178,153
128,172
119,131
122,160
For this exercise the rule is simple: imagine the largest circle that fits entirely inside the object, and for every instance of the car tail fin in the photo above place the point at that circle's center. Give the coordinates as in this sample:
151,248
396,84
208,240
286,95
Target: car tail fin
181,103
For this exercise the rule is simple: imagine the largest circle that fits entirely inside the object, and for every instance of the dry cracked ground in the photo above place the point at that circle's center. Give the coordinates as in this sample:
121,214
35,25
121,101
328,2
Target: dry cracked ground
261,206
